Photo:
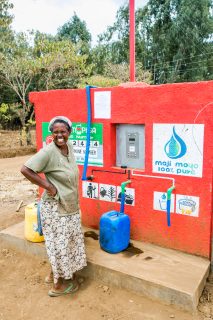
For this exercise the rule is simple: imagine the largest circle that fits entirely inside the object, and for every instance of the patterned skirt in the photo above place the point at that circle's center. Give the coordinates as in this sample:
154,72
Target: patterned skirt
64,241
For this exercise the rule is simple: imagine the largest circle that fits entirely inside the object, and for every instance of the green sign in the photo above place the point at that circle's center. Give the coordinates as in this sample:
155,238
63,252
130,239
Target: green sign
78,138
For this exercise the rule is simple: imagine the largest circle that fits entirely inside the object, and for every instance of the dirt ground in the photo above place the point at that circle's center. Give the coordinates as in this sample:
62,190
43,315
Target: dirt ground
10,144
23,294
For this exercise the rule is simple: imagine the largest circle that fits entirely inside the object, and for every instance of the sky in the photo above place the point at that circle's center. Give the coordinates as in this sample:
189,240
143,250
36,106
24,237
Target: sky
48,15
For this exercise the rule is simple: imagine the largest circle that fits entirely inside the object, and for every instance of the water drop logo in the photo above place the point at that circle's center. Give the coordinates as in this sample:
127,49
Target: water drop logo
175,148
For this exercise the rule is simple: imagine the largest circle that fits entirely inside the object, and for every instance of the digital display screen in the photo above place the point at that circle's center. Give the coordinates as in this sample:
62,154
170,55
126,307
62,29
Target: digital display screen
131,139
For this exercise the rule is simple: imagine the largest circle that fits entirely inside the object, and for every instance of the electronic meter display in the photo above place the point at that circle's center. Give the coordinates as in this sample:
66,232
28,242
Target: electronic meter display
132,145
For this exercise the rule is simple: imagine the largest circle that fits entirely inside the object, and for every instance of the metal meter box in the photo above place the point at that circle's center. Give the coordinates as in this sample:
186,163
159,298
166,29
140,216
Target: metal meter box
130,145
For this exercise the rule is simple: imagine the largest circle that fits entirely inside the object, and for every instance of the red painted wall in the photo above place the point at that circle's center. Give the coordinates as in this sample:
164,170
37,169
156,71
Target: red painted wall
184,103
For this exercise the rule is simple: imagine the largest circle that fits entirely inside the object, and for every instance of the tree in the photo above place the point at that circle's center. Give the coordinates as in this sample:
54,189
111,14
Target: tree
48,65
6,34
121,72
173,40
111,55
76,31
17,70
113,44
177,34
8,116
59,64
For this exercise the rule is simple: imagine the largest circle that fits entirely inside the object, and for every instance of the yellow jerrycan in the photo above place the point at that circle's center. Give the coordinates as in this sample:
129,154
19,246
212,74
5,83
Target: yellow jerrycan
31,230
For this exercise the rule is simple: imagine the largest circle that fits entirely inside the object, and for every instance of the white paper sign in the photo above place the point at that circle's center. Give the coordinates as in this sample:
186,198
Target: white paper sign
102,105
178,149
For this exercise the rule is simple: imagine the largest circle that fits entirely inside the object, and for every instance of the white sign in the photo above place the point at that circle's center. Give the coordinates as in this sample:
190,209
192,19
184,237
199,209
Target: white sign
90,190
79,151
102,105
160,201
187,205
107,192
129,196
178,149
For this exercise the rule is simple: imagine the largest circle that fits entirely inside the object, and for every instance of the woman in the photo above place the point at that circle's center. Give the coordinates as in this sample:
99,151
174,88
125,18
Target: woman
59,206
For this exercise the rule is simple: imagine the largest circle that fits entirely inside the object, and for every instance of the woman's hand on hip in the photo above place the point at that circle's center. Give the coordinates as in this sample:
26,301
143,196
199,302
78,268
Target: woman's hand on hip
51,190
39,181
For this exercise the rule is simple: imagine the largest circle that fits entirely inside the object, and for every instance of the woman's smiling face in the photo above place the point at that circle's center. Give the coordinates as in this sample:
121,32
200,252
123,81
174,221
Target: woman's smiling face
60,134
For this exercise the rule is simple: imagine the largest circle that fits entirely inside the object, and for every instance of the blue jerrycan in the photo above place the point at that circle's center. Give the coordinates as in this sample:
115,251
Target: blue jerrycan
114,231
115,227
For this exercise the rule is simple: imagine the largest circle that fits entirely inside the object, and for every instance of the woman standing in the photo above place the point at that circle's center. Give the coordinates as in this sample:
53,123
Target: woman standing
59,206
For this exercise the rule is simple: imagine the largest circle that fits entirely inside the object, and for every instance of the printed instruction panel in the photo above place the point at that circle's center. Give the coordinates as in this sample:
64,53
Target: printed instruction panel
107,192
180,204
78,138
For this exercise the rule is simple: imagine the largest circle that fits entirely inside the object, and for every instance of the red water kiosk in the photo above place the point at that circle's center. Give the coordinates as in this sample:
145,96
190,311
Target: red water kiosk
157,137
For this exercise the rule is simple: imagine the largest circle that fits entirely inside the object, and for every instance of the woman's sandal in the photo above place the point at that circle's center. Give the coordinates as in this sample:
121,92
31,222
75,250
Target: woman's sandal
70,289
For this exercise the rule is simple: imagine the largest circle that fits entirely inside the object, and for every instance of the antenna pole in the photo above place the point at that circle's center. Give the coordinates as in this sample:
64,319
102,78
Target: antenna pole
132,39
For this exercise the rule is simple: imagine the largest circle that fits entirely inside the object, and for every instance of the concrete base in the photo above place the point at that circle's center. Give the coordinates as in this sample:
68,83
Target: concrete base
169,276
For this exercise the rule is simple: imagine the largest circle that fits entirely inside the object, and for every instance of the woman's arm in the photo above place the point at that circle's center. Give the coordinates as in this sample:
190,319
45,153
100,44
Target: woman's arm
36,179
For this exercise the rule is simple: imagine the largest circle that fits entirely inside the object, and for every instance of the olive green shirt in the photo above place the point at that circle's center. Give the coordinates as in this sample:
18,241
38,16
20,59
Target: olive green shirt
62,172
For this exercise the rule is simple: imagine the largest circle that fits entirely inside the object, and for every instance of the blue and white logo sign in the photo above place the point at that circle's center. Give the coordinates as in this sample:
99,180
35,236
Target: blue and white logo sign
175,148
178,149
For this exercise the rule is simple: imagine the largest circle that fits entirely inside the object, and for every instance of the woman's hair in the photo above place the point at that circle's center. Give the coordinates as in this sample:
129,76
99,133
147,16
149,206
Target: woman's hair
60,119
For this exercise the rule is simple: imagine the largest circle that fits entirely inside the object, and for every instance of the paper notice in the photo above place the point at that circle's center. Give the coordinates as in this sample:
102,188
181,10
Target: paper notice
102,105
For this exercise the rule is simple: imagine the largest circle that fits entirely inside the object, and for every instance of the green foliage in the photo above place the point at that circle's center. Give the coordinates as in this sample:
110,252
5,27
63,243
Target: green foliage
113,44
49,64
119,32
115,74
121,72
111,56
173,40
17,70
5,117
59,65
76,31
173,44
6,34
6,43
6,94
8,115
99,81
177,35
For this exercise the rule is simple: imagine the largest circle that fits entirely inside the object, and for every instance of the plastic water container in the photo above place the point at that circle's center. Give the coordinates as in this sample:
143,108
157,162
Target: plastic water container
31,224
114,231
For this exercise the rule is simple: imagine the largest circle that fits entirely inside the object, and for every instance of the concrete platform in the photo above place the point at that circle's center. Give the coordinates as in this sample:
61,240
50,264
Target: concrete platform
169,276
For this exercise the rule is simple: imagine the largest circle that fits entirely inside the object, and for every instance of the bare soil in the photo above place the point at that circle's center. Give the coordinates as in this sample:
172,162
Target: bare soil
23,294
10,144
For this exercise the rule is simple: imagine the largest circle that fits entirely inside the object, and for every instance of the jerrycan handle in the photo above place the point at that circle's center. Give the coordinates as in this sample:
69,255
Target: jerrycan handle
40,232
113,213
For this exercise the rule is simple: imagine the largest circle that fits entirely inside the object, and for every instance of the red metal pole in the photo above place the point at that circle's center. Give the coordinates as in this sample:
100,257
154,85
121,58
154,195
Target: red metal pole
132,39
